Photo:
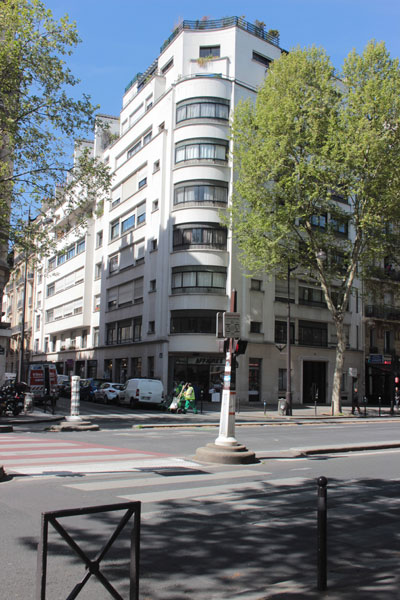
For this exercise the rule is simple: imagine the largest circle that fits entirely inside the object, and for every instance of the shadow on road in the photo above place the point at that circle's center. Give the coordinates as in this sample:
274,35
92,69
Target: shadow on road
248,545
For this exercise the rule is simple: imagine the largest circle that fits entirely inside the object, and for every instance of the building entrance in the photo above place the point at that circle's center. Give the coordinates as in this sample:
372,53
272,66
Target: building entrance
314,382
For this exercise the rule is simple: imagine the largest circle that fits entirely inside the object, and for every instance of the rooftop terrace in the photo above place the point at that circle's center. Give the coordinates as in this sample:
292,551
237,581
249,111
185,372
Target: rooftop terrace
206,24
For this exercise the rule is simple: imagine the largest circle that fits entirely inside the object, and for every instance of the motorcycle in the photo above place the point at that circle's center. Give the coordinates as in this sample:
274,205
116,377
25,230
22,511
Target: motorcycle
11,402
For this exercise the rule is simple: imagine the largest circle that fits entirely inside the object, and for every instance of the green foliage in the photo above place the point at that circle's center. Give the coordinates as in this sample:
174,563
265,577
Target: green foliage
39,116
317,173
310,139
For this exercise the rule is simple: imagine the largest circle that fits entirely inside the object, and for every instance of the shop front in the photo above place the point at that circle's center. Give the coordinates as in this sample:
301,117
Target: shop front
205,372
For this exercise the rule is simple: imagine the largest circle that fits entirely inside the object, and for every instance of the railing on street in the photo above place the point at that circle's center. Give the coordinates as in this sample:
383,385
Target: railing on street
92,566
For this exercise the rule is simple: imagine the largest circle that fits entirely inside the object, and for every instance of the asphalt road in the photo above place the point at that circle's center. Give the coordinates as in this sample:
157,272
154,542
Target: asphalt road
213,531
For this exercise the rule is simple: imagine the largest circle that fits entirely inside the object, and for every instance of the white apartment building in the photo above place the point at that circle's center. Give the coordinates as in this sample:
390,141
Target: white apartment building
137,292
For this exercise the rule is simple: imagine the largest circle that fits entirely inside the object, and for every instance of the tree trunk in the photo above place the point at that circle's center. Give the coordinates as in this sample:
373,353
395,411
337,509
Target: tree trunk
337,376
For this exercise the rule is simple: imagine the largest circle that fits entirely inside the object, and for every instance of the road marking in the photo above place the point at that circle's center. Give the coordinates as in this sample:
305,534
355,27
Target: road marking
103,467
211,492
302,469
137,482
59,451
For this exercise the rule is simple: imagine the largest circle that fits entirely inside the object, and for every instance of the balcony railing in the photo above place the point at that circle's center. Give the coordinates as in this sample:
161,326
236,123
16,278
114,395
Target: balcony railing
390,313
203,25
384,273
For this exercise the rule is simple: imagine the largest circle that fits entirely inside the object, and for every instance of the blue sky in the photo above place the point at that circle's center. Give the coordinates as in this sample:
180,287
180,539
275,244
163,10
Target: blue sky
123,37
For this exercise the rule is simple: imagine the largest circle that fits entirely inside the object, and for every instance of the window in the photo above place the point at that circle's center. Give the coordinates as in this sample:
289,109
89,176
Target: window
202,108
52,263
193,321
254,379
111,333
37,324
206,236
84,339
282,380
215,150
124,332
154,205
311,296
280,332
138,290
99,239
255,284
97,270
340,227
152,285
153,245
147,137
156,166
120,296
114,230
61,258
142,183
71,252
313,333
64,310
198,280
152,327
95,337
96,304
80,246
205,192
113,264
261,59
137,329
51,289
255,327
138,251
135,149
206,51
141,213
128,224
167,66
115,202
319,221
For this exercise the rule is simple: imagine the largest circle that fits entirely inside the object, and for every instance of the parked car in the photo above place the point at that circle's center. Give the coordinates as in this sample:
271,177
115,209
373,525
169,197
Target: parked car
108,392
86,389
137,391
63,381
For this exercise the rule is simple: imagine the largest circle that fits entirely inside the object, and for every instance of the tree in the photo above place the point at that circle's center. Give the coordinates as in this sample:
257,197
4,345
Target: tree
317,178
40,119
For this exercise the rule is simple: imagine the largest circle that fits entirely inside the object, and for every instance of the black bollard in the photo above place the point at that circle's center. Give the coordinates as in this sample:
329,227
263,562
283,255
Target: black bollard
322,534
380,402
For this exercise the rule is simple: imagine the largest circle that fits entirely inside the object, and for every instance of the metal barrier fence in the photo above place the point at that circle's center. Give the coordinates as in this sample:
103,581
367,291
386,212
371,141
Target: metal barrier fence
92,566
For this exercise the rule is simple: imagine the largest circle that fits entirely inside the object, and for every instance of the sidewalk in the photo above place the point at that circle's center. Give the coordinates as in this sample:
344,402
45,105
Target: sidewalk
209,414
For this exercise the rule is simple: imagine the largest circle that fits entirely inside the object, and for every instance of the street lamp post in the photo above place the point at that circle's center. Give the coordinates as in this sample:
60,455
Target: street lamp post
288,348
21,373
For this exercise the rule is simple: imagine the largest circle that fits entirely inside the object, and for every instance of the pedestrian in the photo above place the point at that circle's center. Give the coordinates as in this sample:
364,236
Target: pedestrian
354,403
190,398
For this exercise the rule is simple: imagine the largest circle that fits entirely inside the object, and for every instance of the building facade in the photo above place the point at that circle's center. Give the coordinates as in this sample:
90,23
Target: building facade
136,292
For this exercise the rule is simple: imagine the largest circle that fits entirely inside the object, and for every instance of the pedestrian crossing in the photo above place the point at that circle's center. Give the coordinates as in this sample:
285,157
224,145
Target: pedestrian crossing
38,456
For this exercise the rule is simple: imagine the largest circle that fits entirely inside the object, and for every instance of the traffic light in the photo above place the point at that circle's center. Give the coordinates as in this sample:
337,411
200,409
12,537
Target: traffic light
396,380
239,347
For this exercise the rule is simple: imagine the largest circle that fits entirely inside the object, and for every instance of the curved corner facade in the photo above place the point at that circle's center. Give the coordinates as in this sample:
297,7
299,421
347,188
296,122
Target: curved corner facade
141,298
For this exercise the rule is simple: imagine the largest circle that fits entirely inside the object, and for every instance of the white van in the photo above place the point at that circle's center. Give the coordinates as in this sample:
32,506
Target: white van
136,391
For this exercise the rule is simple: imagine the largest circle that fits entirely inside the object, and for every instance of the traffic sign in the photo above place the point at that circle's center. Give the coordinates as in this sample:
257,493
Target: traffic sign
231,325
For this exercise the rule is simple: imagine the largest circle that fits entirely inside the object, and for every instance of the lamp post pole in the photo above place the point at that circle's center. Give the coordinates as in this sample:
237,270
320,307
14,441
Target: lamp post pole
20,373
288,350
